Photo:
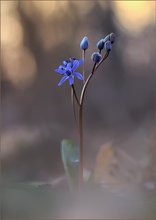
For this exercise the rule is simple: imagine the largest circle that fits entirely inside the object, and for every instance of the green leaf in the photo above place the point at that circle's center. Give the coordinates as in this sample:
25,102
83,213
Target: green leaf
71,159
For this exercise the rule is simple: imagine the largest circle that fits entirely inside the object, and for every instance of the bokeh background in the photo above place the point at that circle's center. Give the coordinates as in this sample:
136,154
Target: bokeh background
36,114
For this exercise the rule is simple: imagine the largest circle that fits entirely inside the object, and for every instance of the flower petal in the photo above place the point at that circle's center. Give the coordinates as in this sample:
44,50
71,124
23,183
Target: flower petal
68,65
64,78
61,67
60,71
81,62
65,62
78,75
71,80
75,65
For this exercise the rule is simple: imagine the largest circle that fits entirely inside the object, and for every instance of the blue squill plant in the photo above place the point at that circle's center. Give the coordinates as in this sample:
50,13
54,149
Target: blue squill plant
72,155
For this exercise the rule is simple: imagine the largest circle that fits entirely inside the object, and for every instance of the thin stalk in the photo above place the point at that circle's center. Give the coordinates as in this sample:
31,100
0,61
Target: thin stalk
73,106
101,61
81,144
81,125
83,68
75,95
86,84
95,67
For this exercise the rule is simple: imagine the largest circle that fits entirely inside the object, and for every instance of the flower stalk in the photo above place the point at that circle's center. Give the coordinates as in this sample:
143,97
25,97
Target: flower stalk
69,72
81,124
73,107
83,71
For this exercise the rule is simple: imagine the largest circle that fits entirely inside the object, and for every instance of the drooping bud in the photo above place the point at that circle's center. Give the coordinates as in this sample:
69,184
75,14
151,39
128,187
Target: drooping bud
84,43
96,57
100,44
108,46
112,38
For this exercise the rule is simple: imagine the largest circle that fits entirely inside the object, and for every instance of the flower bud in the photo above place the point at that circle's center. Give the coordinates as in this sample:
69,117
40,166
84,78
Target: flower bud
84,43
112,38
107,38
100,44
96,57
108,46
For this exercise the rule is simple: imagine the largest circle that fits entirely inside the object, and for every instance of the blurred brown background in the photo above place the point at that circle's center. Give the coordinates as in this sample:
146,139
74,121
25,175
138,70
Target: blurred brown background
36,36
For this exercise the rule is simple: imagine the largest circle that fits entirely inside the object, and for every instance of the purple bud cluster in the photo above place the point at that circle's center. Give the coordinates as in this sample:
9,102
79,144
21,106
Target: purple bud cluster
105,43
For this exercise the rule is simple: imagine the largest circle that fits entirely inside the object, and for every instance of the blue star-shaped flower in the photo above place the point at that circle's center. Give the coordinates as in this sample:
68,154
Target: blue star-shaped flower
69,71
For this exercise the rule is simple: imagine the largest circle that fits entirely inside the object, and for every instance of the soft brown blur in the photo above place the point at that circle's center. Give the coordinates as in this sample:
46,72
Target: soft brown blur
36,36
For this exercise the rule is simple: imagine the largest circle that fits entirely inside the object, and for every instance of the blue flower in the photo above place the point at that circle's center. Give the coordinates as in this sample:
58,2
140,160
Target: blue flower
68,70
